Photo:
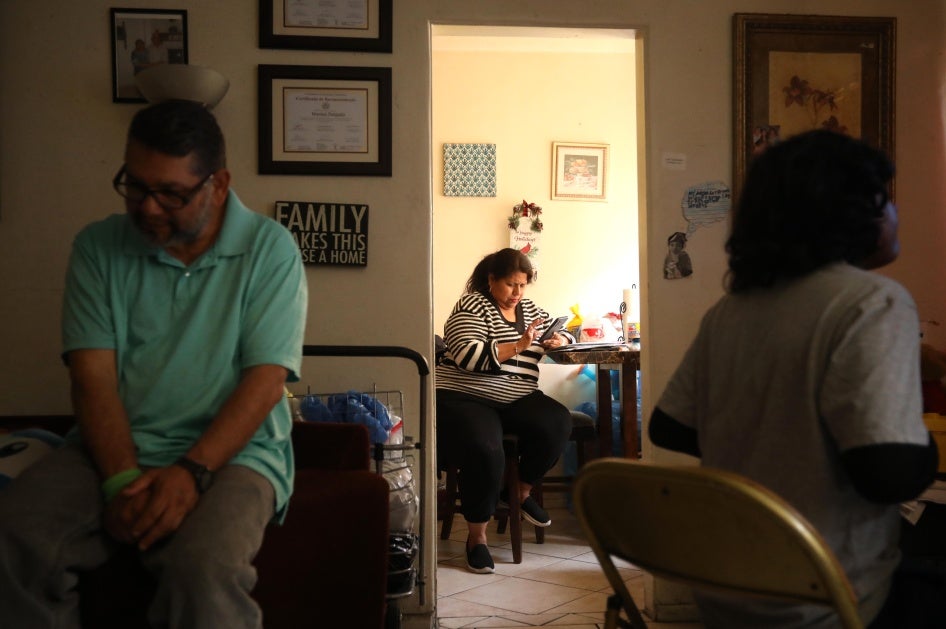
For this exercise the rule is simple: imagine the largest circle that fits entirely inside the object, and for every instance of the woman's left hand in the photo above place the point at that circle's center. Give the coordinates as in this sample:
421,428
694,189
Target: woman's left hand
557,340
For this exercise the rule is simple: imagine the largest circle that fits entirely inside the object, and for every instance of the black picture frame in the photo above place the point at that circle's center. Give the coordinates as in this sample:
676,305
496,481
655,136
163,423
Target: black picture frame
362,121
314,32
129,26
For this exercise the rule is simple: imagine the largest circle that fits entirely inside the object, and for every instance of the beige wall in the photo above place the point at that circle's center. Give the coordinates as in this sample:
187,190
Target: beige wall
61,138
521,90
522,102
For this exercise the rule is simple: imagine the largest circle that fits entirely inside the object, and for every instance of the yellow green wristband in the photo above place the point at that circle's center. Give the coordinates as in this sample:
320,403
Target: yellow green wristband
116,483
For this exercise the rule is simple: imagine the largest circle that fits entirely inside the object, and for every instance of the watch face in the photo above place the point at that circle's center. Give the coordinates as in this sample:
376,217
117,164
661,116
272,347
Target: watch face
203,477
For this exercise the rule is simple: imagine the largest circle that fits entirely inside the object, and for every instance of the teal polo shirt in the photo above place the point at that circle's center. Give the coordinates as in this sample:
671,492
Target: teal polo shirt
184,334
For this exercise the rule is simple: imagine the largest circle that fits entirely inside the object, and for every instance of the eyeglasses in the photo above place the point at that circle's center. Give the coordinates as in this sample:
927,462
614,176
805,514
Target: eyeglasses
167,199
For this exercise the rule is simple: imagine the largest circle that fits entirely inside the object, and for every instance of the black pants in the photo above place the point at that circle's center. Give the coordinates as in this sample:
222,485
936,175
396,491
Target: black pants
470,433
917,597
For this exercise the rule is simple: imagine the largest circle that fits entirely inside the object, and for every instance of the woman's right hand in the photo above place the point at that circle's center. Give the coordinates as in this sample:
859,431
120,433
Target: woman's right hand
532,331
522,344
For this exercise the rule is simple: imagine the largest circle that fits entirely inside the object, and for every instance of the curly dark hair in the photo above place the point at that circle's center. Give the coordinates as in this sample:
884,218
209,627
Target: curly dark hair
179,128
812,200
502,263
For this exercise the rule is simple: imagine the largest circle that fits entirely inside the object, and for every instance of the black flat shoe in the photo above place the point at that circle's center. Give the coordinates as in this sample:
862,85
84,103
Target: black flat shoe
533,513
478,560
529,510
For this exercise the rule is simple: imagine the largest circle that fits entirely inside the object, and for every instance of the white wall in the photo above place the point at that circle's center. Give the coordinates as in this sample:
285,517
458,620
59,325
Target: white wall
61,140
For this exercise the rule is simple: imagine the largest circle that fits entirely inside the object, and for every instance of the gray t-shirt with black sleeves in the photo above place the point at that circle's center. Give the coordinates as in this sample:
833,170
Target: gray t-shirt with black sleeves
778,383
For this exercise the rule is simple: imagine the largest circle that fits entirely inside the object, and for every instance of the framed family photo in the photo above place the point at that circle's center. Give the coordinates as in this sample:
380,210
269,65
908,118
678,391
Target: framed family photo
351,25
579,171
794,73
324,120
142,38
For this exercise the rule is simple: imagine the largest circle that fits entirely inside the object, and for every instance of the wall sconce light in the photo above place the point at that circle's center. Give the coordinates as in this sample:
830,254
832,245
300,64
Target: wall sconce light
178,81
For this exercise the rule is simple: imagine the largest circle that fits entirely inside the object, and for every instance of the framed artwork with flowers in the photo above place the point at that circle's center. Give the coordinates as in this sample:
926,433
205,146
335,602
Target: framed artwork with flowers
579,171
794,73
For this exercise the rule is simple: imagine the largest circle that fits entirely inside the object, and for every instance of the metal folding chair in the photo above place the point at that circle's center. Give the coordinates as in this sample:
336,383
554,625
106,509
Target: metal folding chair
706,528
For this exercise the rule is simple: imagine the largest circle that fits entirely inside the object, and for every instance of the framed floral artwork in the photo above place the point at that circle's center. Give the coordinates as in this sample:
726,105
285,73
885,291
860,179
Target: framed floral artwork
794,73
579,171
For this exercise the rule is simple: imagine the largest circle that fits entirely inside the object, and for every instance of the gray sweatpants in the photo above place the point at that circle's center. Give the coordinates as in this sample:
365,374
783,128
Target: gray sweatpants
51,529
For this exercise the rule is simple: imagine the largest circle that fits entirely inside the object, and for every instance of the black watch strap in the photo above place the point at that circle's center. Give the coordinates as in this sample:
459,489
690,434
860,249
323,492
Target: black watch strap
203,477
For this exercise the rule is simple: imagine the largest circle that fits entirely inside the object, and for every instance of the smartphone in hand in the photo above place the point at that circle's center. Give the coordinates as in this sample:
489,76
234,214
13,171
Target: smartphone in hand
554,327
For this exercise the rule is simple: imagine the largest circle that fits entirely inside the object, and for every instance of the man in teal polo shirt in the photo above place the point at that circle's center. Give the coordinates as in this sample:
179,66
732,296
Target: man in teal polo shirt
182,320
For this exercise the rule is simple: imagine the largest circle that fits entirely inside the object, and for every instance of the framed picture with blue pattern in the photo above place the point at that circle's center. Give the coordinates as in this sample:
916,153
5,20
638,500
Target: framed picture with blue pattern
469,170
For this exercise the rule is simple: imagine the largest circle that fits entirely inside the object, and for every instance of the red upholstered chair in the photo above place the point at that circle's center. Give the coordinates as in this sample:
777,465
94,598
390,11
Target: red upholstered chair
325,566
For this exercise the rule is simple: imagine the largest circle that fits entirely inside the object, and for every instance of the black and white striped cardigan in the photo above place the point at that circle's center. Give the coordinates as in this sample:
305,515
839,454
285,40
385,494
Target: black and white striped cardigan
472,332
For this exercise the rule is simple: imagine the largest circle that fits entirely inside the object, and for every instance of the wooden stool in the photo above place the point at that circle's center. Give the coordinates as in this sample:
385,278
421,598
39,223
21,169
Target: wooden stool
448,505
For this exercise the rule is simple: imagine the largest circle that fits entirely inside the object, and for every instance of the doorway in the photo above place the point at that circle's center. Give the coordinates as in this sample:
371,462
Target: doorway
516,91
512,92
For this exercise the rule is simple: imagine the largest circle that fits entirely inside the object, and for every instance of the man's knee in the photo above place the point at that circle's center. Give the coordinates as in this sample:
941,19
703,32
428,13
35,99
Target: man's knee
195,570
23,532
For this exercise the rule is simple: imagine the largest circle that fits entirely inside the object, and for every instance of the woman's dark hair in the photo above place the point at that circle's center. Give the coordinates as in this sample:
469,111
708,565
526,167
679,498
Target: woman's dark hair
179,128
809,201
503,263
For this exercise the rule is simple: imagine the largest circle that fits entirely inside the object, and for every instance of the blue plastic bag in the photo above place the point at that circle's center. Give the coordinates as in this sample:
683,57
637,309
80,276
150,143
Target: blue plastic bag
351,407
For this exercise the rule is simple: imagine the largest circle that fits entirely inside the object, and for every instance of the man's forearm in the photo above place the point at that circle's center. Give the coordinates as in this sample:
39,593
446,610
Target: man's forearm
107,436
260,388
100,414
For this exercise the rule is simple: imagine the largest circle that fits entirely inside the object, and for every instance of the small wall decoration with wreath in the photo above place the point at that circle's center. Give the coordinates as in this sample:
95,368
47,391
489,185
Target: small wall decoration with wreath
525,230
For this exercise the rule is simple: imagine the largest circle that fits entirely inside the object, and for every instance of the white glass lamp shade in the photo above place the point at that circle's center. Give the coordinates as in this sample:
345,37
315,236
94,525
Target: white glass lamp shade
177,81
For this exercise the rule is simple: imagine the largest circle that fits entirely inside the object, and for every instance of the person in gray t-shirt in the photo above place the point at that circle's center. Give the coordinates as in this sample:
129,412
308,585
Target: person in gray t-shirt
805,375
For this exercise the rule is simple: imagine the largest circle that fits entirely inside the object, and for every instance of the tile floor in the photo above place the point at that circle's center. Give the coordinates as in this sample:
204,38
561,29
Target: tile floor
558,584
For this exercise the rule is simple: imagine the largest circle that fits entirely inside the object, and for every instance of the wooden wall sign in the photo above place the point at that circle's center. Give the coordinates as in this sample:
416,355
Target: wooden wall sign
334,234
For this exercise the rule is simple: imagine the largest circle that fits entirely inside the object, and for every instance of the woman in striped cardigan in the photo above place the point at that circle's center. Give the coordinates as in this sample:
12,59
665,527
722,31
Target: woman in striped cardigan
487,386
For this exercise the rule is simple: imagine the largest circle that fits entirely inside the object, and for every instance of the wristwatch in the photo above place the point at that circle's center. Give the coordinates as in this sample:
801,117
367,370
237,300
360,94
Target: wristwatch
203,477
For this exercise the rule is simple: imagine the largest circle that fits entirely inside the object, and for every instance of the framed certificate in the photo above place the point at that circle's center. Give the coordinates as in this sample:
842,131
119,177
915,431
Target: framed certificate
324,120
351,25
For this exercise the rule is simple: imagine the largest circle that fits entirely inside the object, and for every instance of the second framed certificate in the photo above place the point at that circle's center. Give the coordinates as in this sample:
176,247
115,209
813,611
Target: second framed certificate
324,120
352,25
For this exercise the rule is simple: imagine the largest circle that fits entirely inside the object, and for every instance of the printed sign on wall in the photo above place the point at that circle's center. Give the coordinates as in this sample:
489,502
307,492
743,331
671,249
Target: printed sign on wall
525,231
705,204
327,233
